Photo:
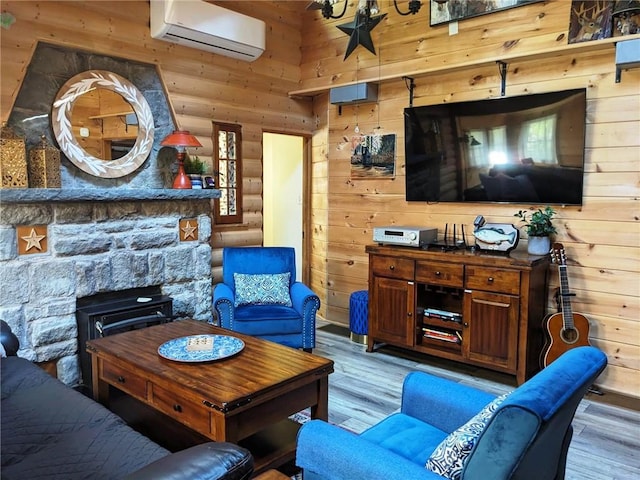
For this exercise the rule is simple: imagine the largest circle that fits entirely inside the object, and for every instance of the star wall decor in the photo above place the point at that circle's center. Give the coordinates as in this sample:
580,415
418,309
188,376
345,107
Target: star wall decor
360,32
188,229
31,239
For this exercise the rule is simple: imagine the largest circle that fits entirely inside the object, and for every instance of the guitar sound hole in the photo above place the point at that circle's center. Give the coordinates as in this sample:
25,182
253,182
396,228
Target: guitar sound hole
569,335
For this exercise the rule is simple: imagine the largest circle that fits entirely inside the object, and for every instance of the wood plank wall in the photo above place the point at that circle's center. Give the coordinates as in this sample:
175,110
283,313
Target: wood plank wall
201,86
601,237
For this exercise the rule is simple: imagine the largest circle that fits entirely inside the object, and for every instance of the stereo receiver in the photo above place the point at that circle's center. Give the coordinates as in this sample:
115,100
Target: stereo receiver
408,236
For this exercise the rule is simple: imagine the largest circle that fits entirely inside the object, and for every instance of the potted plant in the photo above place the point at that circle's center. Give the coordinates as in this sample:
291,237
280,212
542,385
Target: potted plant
539,229
195,168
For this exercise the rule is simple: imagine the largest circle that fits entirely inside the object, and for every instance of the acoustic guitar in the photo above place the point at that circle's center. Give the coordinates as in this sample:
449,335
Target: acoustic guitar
565,330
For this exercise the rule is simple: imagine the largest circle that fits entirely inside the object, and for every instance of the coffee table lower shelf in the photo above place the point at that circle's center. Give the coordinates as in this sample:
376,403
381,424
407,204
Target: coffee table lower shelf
271,447
272,475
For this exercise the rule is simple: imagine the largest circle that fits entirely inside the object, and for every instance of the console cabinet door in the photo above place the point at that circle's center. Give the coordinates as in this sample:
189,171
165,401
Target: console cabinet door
392,317
490,336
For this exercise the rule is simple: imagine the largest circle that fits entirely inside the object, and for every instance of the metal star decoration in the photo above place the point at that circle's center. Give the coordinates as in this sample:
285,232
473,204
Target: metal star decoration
360,32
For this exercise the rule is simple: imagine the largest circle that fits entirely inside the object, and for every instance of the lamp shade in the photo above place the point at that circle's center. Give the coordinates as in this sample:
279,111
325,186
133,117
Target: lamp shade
180,138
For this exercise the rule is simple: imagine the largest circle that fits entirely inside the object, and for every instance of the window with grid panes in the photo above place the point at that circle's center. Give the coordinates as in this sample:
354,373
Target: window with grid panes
227,141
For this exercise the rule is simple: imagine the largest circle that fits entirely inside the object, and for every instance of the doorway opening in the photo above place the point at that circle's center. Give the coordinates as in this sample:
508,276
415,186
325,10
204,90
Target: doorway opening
285,195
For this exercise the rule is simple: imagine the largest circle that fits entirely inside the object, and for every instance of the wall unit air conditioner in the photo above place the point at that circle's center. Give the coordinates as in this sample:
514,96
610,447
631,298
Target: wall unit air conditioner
202,25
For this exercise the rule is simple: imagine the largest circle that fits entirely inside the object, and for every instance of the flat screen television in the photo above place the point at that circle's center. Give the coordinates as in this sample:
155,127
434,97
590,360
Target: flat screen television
523,149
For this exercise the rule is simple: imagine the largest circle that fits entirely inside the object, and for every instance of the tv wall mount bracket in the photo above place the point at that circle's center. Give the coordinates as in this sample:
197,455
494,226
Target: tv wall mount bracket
408,81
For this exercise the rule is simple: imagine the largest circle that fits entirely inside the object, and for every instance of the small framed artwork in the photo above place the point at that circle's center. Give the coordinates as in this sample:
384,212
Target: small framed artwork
373,156
590,20
445,11
208,181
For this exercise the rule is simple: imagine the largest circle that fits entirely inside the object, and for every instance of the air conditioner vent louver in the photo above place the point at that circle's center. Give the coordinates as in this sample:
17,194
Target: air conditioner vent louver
205,46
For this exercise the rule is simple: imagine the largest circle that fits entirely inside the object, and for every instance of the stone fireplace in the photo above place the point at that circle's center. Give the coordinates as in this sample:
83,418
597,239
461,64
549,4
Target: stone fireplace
128,241
96,234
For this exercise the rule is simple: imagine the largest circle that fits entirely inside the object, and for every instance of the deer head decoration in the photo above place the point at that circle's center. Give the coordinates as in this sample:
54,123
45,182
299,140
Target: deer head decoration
592,16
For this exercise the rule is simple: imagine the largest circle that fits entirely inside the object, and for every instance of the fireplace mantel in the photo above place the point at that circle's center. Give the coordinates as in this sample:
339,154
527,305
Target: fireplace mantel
60,195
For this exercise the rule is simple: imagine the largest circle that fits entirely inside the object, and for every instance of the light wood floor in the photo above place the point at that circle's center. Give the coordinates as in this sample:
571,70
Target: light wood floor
366,387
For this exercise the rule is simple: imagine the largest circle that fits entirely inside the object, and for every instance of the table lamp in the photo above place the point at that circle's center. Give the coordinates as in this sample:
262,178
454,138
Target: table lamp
180,140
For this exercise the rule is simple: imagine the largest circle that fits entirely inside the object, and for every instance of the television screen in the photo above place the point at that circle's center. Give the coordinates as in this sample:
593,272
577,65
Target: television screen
525,149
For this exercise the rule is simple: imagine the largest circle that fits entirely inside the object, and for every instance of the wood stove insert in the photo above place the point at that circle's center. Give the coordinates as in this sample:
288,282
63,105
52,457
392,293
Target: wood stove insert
109,313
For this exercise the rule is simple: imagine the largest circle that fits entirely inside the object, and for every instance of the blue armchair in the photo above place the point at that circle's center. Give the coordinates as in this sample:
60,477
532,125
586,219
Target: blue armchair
283,315
526,437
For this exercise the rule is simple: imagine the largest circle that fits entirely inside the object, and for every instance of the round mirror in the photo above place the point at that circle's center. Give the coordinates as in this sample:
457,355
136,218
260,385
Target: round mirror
103,124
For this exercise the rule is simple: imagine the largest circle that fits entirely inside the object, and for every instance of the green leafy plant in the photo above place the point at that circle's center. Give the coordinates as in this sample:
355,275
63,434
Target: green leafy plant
6,20
539,223
194,165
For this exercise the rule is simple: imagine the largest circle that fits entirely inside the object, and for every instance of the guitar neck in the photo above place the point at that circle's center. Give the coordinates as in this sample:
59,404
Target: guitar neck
567,314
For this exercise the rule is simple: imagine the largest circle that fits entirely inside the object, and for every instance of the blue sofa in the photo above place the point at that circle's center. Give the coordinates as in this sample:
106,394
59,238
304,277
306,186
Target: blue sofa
288,318
527,436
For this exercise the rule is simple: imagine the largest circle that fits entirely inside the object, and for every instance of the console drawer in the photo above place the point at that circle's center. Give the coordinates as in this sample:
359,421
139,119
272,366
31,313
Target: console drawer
124,380
393,267
493,280
184,410
439,273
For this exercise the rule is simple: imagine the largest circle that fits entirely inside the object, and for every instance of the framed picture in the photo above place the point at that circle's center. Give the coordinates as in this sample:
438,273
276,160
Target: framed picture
626,18
445,11
208,181
590,20
373,156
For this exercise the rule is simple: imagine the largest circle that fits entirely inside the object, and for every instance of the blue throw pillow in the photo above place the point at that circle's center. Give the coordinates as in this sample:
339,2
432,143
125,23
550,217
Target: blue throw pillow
449,457
262,289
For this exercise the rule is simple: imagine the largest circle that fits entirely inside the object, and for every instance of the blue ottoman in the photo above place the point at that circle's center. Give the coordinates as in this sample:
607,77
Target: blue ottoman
359,316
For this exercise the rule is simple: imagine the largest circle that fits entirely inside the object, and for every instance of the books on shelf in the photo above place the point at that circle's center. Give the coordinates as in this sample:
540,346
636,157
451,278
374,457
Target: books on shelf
443,315
440,335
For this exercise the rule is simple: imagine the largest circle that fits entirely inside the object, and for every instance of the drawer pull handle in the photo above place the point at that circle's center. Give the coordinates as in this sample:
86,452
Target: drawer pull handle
490,279
392,267
466,325
438,274
121,379
177,408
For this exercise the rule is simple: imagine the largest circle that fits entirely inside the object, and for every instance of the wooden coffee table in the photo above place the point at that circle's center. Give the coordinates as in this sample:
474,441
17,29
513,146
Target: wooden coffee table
244,399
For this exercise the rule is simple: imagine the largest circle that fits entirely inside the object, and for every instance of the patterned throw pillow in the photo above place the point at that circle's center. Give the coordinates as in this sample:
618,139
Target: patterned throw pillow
449,457
262,289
